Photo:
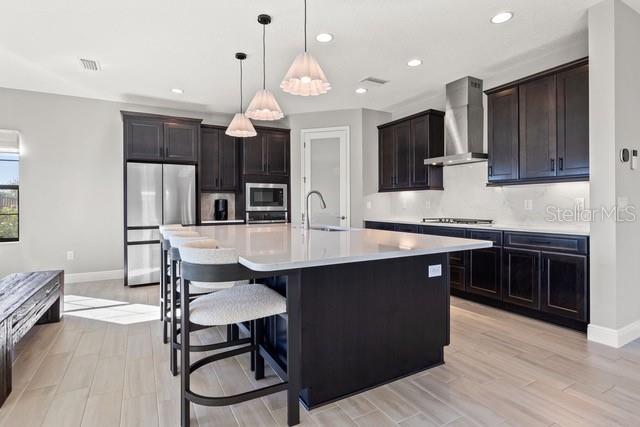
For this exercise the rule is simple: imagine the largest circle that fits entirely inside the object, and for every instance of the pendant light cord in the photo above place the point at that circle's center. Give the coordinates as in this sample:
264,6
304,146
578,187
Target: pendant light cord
241,111
305,26
264,54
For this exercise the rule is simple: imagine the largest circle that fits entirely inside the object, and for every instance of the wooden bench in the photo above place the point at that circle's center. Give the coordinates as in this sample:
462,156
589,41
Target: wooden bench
26,299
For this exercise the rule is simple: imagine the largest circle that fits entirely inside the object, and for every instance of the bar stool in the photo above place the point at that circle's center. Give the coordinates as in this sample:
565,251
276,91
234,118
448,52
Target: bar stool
205,261
165,232
195,290
165,228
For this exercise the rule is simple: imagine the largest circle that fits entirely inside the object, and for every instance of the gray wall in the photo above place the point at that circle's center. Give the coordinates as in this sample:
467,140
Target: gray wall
614,36
298,122
70,180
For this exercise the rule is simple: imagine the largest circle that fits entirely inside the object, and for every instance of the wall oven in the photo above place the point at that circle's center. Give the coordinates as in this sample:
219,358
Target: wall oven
266,202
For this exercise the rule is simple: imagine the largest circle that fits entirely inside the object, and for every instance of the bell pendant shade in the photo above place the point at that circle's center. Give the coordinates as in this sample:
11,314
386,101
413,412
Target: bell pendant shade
241,127
305,77
264,106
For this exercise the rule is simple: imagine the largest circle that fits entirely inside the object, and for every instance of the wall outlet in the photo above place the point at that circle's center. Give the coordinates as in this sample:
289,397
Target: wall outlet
70,255
528,204
427,204
368,204
435,270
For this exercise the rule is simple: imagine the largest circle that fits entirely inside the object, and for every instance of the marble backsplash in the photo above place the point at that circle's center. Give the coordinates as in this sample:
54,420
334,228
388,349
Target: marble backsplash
206,205
466,195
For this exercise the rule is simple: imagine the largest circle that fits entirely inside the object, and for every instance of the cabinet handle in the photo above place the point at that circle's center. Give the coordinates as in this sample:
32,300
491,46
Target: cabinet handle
553,164
490,170
561,164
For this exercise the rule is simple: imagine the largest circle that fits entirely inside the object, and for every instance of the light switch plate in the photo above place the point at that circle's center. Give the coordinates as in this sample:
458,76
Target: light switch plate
435,270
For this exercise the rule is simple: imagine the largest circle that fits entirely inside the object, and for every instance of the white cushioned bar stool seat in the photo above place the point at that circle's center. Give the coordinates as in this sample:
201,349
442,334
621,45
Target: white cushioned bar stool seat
236,305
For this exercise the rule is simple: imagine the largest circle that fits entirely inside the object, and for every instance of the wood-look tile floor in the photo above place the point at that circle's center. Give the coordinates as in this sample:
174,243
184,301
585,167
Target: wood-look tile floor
501,369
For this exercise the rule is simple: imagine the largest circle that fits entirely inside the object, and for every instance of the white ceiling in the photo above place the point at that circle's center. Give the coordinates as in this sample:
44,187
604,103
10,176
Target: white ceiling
147,47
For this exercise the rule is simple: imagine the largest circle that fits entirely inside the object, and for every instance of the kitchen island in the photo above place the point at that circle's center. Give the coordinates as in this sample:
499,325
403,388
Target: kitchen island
364,307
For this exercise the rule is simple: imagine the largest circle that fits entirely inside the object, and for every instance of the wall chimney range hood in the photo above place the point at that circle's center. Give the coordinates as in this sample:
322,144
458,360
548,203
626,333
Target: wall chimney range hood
463,124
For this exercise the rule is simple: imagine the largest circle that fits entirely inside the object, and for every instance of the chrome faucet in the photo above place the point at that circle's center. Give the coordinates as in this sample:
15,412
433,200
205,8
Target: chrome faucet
306,214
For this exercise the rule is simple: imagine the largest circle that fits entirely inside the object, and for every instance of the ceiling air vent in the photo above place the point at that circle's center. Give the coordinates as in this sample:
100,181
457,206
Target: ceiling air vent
371,82
90,64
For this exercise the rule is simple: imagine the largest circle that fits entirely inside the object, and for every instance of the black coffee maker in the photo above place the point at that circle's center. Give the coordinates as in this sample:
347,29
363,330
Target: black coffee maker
220,212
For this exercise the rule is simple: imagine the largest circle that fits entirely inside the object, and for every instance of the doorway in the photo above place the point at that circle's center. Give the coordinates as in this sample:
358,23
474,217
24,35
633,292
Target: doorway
325,168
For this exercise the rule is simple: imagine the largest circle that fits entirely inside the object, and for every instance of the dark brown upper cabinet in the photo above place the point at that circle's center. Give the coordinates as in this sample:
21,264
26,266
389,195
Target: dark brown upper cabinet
277,148
219,169
149,137
503,135
402,147
573,121
538,127
181,142
266,153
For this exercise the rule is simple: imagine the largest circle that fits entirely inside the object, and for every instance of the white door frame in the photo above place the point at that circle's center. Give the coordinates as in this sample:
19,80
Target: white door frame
343,133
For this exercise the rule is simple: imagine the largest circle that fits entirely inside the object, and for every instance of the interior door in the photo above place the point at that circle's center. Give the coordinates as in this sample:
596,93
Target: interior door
326,169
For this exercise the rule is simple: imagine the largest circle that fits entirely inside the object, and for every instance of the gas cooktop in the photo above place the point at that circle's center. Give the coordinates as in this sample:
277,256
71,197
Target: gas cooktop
458,220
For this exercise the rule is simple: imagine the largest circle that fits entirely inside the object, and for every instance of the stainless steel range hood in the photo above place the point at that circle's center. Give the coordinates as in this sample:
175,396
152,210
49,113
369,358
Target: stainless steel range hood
463,124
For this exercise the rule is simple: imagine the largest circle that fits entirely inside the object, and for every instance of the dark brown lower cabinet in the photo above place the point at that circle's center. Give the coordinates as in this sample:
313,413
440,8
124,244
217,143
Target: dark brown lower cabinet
484,272
545,276
522,277
564,285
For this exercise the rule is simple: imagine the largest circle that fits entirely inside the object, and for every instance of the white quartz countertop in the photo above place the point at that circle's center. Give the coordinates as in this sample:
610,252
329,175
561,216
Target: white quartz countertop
273,247
568,228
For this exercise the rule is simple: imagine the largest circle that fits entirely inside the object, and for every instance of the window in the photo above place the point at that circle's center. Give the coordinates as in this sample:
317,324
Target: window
9,185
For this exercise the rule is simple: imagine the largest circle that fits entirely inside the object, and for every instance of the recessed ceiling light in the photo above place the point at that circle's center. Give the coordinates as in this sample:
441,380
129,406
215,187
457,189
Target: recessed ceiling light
414,62
324,37
361,90
178,91
502,17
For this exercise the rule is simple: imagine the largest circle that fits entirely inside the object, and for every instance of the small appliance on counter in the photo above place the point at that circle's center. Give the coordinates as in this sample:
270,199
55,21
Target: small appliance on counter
220,210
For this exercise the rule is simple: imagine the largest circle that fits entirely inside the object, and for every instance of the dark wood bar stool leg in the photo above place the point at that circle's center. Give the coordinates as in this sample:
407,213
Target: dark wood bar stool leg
258,360
163,294
173,362
185,404
294,342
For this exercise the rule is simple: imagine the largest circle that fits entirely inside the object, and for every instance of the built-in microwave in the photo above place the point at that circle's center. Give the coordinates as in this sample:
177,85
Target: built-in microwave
266,197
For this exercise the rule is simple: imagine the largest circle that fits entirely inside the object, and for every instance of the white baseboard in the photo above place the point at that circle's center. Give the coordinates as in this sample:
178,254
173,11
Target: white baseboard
93,276
614,337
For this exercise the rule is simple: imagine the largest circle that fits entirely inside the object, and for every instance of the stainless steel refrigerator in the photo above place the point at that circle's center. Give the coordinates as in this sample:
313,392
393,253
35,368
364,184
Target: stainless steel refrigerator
155,194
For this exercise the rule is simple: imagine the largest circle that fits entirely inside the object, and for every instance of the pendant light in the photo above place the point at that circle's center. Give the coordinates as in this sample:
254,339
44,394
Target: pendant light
264,106
305,77
241,126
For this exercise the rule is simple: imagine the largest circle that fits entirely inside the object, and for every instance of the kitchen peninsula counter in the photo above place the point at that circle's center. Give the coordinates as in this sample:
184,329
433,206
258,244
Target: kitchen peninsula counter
364,307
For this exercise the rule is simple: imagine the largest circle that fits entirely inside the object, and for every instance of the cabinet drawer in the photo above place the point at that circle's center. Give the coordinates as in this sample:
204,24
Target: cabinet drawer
30,312
375,225
408,228
443,231
493,236
556,243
